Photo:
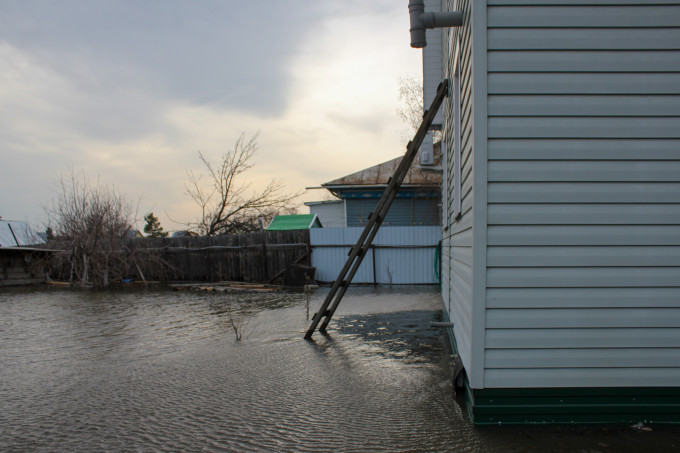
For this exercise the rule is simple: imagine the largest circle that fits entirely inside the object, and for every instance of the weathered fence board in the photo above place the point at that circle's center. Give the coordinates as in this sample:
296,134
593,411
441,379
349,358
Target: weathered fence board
252,257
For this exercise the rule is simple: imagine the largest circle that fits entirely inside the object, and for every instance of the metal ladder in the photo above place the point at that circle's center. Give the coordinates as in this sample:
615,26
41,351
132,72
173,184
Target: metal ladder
375,219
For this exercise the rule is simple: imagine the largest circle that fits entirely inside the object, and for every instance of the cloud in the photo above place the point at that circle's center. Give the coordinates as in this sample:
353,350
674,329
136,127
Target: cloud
214,51
132,90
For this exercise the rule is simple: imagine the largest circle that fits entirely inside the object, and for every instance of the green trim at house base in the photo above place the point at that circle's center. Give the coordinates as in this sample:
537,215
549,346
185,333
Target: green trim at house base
493,406
574,405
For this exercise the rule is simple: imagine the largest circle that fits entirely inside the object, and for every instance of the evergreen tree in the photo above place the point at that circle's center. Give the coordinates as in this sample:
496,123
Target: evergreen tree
153,227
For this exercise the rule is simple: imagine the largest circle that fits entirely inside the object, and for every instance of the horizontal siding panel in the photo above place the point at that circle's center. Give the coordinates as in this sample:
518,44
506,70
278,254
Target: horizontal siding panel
582,358
582,318
580,192
583,171
584,61
582,297
463,238
572,256
582,377
583,38
461,269
584,149
629,235
463,224
584,83
584,214
582,2
463,292
582,338
580,277
585,127
586,106
583,16
462,254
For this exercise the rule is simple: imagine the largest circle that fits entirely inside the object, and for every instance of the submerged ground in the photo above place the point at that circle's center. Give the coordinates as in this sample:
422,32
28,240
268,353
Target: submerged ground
162,370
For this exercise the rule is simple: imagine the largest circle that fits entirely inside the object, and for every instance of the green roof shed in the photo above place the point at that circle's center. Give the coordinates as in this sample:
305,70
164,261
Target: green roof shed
294,222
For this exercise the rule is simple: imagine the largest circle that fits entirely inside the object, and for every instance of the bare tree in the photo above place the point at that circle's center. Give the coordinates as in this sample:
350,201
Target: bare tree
411,99
91,219
412,108
227,204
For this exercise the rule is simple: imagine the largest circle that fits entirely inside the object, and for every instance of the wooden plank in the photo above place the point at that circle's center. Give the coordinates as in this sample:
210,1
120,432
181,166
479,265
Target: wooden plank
583,192
582,277
584,127
584,171
584,106
584,38
576,256
549,60
582,318
582,297
581,377
584,16
584,214
583,338
583,2
582,358
584,149
574,235
585,83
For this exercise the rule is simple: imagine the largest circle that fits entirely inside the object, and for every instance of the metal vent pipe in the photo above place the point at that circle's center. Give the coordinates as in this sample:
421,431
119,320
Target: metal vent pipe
420,21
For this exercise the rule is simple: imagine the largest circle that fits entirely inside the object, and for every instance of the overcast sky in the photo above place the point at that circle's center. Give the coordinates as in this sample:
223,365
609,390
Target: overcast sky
130,91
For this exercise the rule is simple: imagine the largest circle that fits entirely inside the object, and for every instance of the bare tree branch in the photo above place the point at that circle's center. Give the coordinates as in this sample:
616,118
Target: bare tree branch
412,106
226,203
90,220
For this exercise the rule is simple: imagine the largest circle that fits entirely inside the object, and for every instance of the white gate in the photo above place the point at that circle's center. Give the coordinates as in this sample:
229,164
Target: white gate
399,255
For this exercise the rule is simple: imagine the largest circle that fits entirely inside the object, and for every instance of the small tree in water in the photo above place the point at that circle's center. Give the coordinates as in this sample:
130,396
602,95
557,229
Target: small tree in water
153,227
90,219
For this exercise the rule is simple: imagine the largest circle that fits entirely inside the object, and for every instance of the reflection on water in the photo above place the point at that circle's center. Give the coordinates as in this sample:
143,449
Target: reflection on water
161,370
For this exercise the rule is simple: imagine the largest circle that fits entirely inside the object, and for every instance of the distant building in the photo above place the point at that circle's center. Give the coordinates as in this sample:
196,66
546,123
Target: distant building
418,202
183,234
16,233
133,234
331,213
405,249
20,262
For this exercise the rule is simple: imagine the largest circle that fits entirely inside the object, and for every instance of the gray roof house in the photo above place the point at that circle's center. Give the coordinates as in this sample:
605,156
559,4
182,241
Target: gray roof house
16,233
21,263
561,207
417,202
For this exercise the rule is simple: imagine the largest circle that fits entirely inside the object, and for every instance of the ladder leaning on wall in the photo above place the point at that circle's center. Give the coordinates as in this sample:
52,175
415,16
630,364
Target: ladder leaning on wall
375,219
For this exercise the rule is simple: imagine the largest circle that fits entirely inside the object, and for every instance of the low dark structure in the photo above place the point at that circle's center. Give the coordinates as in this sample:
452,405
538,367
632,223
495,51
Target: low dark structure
22,265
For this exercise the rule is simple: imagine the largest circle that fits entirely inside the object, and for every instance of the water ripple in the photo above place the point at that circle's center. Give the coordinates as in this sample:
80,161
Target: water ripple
162,371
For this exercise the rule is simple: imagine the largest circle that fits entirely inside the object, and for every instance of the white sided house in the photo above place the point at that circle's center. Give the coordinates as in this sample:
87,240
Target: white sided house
561,207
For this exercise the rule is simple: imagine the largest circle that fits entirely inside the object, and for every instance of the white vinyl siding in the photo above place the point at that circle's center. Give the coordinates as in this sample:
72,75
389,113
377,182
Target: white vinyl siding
432,63
331,215
458,243
583,238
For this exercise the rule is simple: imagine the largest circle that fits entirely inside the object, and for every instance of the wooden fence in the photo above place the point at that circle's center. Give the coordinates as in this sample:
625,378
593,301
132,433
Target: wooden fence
252,257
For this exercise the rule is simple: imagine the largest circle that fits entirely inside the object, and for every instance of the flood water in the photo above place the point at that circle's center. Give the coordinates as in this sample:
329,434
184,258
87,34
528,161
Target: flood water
160,370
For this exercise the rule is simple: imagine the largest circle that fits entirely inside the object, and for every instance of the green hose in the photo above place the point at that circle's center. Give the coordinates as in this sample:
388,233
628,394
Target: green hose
437,262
